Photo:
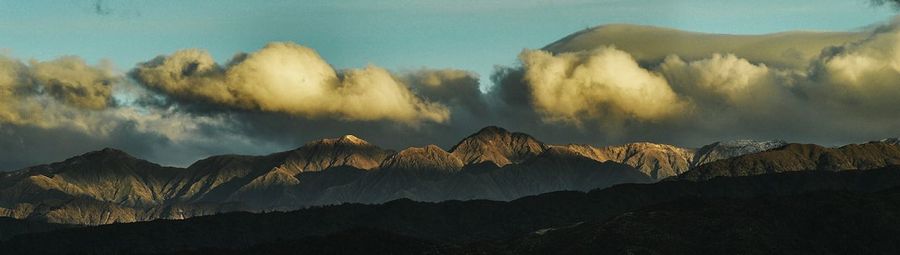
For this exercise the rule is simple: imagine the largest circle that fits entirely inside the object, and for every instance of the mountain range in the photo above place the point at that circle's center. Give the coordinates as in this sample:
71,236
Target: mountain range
110,186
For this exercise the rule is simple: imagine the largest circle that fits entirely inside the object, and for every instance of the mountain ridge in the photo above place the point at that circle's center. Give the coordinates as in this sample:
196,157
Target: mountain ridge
493,163
801,157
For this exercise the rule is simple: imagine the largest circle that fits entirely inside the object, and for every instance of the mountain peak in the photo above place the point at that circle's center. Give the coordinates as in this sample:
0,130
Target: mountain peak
107,153
746,143
733,148
343,140
100,164
491,131
353,139
428,157
497,145
347,150
892,140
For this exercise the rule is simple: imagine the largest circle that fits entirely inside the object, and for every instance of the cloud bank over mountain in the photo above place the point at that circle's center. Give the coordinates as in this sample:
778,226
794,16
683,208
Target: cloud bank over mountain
606,85
50,109
845,91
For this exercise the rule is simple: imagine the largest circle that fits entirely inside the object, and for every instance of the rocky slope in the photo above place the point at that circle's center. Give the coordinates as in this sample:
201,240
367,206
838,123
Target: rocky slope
729,149
801,157
495,144
660,161
98,188
428,157
430,174
111,186
655,160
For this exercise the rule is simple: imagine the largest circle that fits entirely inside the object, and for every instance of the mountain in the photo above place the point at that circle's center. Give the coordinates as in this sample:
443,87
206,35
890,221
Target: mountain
729,149
819,211
99,187
801,157
495,144
660,161
110,186
107,174
269,181
552,170
428,157
655,160
347,150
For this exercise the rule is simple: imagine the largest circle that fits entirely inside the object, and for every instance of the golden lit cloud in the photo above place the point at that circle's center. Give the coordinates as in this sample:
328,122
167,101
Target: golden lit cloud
720,79
594,84
292,79
699,85
864,76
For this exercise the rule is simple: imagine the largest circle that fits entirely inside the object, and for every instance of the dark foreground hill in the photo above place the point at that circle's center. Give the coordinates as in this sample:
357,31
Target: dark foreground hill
821,222
810,211
10,227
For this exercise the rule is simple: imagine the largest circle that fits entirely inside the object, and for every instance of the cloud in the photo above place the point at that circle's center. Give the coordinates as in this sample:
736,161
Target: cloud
894,3
845,93
183,107
50,110
73,82
455,89
595,84
100,8
45,93
648,45
863,77
721,80
451,87
288,78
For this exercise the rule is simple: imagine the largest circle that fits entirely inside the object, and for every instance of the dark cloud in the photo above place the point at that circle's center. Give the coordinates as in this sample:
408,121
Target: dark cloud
893,3
101,8
29,145
455,88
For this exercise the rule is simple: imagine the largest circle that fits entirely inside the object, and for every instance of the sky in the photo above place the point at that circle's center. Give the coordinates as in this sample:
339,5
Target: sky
177,81
396,34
